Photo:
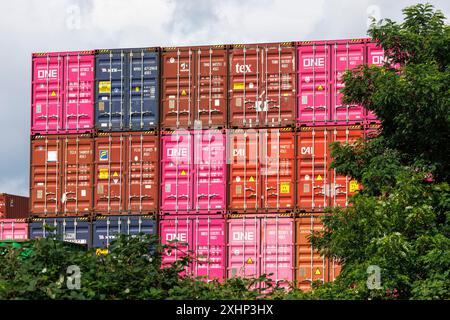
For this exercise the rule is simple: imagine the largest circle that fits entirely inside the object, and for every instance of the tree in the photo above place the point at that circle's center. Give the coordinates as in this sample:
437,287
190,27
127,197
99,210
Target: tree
399,222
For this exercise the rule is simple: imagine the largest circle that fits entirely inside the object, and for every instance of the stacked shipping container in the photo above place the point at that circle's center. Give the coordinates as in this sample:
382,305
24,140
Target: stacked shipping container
223,149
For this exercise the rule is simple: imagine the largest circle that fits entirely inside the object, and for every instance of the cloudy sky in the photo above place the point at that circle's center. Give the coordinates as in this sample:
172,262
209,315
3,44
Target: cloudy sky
28,26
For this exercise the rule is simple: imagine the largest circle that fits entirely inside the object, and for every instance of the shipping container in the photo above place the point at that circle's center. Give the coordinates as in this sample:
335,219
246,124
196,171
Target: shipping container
262,170
126,173
193,171
262,85
375,56
318,186
310,264
62,92
106,228
61,175
202,237
194,87
73,229
13,229
13,206
260,245
127,89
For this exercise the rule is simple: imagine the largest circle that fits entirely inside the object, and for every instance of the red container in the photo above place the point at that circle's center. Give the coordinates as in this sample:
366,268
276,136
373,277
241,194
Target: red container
13,229
262,170
194,82
310,265
62,93
260,245
13,207
262,85
202,237
61,175
193,172
126,166
318,186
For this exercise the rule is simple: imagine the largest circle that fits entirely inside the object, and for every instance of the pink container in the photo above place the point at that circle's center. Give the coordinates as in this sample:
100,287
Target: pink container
261,245
13,229
203,237
62,93
346,55
193,171
313,90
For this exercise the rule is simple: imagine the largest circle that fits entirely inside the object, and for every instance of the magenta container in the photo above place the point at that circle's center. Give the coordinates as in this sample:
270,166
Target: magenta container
62,97
346,55
13,229
313,90
203,237
193,172
261,245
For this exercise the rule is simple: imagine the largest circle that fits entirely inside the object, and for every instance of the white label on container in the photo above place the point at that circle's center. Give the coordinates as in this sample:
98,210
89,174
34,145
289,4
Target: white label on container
83,193
216,102
307,177
136,158
40,183
104,124
148,186
304,99
52,156
168,187
38,108
307,79
238,179
39,194
104,98
250,85
172,60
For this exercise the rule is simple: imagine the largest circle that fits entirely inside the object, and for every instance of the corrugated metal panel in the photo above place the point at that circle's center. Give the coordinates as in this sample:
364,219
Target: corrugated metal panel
262,85
13,206
13,229
76,230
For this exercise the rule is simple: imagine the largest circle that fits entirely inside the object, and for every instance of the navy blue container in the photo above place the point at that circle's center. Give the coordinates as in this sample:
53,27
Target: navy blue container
106,228
76,230
127,89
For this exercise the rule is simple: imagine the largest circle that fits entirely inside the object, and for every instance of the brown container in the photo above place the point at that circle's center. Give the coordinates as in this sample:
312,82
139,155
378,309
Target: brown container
262,88
309,264
13,207
126,179
262,170
194,87
61,175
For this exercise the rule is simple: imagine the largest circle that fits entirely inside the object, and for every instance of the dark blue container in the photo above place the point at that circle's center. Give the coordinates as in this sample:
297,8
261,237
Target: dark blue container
76,230
106,228
127,89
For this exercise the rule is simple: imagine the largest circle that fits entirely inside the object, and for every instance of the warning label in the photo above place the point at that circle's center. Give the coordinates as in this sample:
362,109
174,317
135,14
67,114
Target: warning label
103,174
137,89
285,187
104,86
320,88
53,94
317,273
251,179
238,86
249,261
319,178
183,92
353,186
183,173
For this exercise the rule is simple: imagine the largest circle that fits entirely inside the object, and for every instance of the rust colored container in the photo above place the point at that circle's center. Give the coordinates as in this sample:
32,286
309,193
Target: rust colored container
194,87
310,265
262,170
318,186
62,175
262,89
126,166
13,206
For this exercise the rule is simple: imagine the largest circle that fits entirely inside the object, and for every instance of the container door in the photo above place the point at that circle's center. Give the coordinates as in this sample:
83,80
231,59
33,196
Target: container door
244,247
210,171
245,91
313,85
209,248
342,187
46,162
11,229
136,225
76,230
175,233
211,88
79,93
278,86
143,90
77,175
277,249
110,174
312,168
111,89
177,172
47,96
346,56
245,184
311,266
178,89
143,154
277,169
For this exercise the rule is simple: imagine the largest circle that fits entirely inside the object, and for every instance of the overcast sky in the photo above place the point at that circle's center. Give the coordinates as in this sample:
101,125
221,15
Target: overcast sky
28,26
